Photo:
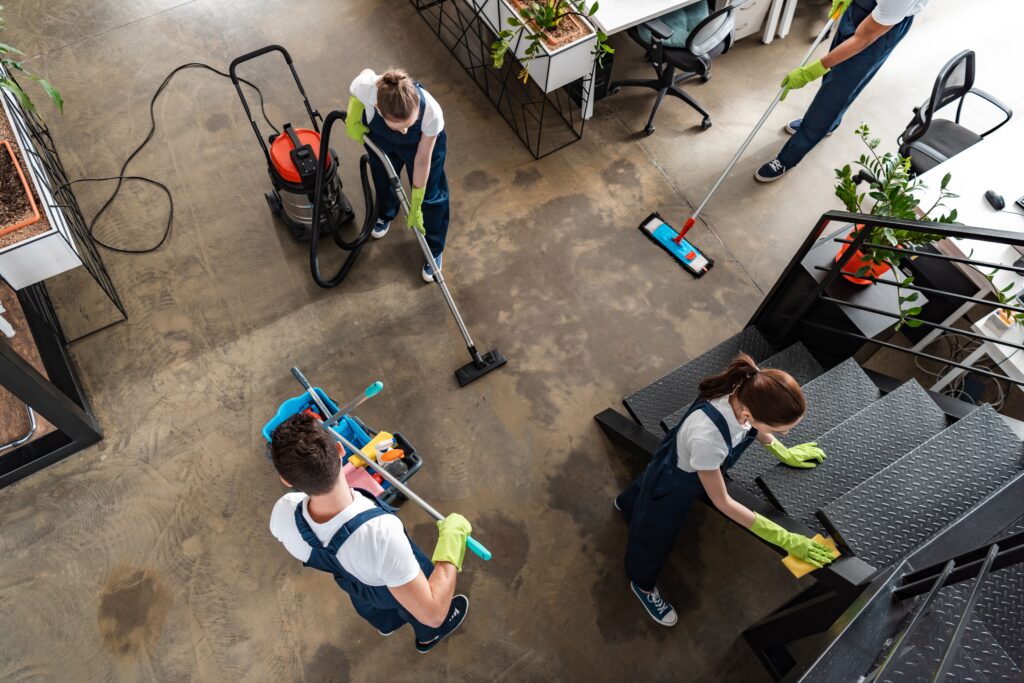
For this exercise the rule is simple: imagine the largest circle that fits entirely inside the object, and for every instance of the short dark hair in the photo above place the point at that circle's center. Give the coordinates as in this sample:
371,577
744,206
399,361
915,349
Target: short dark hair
305,455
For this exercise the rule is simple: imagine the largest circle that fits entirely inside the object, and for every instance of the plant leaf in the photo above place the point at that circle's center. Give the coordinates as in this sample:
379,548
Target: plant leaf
53,93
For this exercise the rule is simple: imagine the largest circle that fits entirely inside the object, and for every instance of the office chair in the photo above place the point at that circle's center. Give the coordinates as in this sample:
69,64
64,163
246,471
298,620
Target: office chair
710,38
929,141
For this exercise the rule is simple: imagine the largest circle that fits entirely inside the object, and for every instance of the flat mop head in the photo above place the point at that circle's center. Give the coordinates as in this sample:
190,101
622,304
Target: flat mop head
480,366
685,253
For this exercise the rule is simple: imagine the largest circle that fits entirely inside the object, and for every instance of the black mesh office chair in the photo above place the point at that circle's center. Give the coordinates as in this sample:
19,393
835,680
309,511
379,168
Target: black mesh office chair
710,38
929,141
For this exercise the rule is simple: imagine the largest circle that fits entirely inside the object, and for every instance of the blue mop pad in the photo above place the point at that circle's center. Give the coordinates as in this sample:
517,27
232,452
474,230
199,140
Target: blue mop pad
685,253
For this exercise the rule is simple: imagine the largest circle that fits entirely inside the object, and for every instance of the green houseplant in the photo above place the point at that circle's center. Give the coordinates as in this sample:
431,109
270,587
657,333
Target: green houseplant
540,22
890,192
8,57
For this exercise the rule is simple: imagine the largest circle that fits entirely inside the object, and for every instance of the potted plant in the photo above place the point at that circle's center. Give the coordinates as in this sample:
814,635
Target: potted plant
891,188
18,207
556,29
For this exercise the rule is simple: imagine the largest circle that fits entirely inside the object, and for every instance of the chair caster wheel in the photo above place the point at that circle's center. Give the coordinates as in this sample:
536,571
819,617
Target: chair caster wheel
706,123
649,130
615,90
705,77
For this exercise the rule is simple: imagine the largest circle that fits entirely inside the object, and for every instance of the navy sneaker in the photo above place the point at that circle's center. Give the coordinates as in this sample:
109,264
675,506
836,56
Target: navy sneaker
770,172
793,126
380,229
659,610
456,615
388,633
428,271
615,503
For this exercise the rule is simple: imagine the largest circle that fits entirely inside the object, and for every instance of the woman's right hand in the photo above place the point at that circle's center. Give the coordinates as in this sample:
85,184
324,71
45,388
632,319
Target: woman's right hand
802,547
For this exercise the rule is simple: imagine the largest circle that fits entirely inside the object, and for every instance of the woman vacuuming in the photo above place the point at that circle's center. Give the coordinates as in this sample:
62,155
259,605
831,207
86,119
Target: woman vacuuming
407,124
741,404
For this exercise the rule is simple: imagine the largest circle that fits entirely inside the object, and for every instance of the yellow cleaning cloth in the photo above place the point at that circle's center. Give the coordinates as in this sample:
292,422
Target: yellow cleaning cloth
801,568
370,449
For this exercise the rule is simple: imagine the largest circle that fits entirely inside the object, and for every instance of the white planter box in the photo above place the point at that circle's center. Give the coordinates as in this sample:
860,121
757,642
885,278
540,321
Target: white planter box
50,253
554,69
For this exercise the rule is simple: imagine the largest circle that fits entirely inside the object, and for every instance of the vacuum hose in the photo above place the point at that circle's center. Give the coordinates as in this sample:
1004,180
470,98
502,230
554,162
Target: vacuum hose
356,245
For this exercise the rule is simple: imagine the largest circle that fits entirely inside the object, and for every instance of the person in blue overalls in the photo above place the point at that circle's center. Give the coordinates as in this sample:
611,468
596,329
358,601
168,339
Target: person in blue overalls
866,36
350,534
407,123
741,404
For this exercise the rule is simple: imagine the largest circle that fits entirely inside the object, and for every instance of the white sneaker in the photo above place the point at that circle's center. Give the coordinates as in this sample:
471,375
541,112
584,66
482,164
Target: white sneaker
380,229
428,271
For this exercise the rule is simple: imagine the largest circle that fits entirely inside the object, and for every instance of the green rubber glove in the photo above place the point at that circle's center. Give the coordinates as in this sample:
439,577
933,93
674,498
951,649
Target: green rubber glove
415,217
804,455
451,539
354,126
801,76
838,7
805,548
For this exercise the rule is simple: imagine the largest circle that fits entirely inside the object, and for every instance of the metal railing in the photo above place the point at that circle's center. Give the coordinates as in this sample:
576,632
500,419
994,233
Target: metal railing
801,319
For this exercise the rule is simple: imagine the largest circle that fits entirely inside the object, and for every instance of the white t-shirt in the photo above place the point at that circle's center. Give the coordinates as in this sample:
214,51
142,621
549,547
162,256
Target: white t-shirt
378,553
364,86
892,12
699,442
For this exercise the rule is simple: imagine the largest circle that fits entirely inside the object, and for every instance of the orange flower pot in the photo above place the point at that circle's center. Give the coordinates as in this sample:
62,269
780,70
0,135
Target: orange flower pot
28,193
857,261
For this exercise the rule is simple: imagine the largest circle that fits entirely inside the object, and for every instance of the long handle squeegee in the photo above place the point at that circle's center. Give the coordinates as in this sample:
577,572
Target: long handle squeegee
476,546
746,143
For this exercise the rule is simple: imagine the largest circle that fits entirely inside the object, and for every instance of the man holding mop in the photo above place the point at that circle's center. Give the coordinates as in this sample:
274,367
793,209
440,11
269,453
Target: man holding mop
361,542
867,34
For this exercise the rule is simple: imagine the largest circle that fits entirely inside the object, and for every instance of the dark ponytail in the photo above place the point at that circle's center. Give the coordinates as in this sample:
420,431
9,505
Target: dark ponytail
771,396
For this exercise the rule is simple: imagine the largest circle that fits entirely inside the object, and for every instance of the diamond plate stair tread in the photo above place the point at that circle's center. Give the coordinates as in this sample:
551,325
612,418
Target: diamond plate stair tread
832,397
1001,603
794,359
896,509
857,448
678,388
979,657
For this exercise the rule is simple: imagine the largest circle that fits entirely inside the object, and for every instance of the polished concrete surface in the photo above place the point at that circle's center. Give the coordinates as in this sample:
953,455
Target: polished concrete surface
147,557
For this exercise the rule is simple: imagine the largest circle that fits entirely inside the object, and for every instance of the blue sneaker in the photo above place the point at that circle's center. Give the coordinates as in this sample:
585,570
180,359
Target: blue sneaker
793,126
428,271
456,615
770,172
659,610
380,229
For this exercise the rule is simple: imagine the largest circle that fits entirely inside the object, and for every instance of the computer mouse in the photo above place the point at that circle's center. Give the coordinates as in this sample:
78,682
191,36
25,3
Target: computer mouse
995,200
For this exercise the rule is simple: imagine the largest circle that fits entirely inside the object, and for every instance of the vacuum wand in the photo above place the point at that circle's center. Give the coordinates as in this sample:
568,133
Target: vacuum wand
332,418
743,148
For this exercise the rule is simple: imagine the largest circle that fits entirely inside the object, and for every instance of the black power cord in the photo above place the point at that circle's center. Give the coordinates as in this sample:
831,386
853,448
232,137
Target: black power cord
121,177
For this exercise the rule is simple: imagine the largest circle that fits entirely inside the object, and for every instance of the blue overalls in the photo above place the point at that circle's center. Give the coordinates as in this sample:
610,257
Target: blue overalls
657,502
376,604
843,83
401,150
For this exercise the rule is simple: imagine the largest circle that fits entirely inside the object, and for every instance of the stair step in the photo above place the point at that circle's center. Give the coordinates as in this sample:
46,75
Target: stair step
1001,602
855,449
979,656
831,397
794,359
895,510
678,388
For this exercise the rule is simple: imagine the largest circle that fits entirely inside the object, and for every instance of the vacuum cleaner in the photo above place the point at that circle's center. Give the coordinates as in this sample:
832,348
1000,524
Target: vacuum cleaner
305,207
307,196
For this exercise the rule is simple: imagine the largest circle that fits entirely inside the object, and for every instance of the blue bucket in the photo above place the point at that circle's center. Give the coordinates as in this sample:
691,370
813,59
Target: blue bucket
347,427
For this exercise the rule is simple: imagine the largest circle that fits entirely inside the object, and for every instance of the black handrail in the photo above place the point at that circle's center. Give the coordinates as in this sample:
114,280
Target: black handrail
935,255
1011,552
944,229
949,656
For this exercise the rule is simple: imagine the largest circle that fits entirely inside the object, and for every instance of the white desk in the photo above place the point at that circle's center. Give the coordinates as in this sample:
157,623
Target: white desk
614,16
992,164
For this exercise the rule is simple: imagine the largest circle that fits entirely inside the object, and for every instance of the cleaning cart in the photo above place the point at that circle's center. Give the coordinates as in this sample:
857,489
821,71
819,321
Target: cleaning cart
359,435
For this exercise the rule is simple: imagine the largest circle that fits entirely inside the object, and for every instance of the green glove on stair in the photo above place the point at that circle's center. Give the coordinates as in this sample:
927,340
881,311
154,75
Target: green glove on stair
838,7
801,76
415,217
451,539
354,126
804,455
805,548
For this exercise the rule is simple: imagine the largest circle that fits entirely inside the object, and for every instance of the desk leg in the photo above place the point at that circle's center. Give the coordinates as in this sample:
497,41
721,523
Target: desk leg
957,372
948,322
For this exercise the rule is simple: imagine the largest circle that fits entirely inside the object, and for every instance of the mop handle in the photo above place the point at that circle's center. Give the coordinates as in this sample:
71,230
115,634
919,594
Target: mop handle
368,393
743,148
471,543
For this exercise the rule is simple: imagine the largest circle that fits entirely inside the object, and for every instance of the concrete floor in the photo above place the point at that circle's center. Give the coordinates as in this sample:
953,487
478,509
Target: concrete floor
147,557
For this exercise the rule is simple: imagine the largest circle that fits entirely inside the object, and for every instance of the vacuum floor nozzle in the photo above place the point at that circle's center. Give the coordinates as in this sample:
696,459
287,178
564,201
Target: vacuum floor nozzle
685,253
474,370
